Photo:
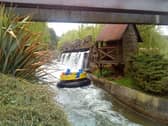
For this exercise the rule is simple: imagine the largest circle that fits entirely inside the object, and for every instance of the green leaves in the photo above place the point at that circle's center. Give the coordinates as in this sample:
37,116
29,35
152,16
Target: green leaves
18,45
152,39
150,71
82,32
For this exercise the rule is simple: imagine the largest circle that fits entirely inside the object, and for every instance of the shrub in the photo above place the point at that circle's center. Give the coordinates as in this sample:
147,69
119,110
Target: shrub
20,51
150,71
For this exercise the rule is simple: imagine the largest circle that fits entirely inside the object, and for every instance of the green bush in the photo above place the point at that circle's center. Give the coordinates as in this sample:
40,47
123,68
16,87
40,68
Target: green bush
150,72
20,50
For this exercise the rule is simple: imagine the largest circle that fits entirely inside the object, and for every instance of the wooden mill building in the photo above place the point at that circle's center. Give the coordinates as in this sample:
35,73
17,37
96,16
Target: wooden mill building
115,44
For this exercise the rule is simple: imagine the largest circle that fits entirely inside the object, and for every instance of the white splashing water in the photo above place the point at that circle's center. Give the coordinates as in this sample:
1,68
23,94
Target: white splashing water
74,60
84,106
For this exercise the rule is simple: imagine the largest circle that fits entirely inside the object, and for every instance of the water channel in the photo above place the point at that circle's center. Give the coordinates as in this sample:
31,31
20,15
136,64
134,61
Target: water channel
89,106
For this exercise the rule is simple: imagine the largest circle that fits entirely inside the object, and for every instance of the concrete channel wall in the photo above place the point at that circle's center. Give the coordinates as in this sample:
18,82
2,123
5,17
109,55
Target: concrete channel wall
148,105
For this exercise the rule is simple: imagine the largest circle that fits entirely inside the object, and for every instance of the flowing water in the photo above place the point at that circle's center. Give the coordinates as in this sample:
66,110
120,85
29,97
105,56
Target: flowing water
89,106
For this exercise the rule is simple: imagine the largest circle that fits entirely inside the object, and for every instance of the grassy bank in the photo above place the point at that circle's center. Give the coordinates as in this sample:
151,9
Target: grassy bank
25,104
125,81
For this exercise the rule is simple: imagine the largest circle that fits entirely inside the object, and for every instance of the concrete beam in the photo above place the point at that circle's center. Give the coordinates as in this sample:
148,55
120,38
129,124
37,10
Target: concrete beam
122,6
94,11
68,15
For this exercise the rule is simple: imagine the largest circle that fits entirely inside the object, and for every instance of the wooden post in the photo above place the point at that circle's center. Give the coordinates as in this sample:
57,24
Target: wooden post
101,68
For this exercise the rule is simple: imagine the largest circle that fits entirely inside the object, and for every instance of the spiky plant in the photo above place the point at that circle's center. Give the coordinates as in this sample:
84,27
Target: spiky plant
20,50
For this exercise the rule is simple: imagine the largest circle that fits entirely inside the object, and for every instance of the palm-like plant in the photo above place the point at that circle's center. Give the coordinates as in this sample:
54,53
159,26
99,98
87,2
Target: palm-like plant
20,51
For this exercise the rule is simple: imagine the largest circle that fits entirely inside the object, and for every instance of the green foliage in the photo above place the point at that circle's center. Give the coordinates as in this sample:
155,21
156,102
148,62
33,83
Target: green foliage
26,104
150,71
42,29
47,35
126,81
54,39
20,51
93,30
105,73
152,39
82,32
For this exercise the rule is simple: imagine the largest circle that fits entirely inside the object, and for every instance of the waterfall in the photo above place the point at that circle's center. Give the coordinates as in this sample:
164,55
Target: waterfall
75,60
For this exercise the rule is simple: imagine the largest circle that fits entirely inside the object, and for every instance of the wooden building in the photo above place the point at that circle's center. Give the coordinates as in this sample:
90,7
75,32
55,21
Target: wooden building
115,44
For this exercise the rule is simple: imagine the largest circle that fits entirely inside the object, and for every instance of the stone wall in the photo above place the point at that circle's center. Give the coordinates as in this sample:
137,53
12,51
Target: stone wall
148,105
129,44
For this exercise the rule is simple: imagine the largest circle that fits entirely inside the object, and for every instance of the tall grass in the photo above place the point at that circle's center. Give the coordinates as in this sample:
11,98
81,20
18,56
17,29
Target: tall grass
28,104
20,50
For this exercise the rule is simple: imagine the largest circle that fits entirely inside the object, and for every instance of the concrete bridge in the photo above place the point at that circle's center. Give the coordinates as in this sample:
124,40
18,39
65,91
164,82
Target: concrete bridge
94,11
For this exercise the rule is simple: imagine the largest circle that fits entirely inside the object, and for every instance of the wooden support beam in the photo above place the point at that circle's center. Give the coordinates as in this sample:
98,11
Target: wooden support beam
107,54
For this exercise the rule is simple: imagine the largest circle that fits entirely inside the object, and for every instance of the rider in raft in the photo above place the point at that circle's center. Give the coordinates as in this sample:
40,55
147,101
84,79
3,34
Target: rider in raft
71,80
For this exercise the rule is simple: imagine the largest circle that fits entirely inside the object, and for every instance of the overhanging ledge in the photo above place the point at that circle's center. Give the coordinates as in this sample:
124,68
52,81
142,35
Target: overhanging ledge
61,15
121,6
95,11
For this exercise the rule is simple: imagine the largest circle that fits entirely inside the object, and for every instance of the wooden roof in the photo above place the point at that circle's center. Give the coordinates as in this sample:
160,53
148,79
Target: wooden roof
112,32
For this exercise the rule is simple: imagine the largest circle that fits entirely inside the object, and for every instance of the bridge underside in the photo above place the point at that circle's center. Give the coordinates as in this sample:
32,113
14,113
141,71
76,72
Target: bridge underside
59,15
95,11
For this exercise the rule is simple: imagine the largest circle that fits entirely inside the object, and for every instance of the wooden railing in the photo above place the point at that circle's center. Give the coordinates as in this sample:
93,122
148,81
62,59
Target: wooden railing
107,52
105,55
